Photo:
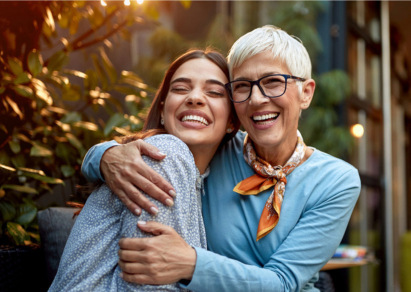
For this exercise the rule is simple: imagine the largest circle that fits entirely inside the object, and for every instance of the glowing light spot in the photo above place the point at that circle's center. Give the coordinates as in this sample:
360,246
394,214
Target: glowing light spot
357,130
140,1
127,2
103,3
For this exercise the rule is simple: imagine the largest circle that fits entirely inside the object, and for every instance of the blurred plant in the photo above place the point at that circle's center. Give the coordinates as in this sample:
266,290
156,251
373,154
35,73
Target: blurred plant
320,124
46,120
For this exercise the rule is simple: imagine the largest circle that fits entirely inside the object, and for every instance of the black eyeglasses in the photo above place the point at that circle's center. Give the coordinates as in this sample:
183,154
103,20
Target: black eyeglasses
270,86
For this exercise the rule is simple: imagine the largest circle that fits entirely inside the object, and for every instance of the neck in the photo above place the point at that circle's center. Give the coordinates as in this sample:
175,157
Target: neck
277,155
202,157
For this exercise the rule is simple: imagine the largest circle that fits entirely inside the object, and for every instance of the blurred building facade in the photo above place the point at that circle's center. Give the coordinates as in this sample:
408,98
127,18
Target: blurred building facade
368,40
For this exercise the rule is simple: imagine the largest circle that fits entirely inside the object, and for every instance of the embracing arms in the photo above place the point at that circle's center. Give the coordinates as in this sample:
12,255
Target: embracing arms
122,168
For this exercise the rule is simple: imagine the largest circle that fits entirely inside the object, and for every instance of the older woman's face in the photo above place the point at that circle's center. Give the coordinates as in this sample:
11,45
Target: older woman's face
270,122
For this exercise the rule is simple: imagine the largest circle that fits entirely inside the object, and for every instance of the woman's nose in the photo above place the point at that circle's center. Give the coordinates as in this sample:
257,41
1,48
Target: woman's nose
196,97
257,97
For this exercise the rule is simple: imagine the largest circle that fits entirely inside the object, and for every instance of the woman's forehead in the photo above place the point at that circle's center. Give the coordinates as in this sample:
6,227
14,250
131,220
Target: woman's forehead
199,69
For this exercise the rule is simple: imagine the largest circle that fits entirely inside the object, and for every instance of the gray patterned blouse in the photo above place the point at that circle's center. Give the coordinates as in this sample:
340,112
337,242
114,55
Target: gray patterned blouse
89,260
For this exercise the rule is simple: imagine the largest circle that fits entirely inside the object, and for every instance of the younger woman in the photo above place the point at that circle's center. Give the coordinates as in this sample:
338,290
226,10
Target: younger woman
193,107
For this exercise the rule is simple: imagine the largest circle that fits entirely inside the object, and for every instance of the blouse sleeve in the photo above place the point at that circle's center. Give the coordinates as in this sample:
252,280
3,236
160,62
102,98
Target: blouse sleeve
310,244
91,249
89,261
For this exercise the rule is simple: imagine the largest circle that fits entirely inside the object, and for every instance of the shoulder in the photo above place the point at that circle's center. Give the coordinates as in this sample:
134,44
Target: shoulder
329,172
331,163
178,155
169,145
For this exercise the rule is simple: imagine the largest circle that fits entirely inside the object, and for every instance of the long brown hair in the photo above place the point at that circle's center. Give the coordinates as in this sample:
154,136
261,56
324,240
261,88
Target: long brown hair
152,125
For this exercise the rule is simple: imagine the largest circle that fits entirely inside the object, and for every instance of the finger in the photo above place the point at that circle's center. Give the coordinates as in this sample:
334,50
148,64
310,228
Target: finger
132,267
149,150
134,200
133,207
154,184
135,278
149,173
132,243
128,255
154,228
149,189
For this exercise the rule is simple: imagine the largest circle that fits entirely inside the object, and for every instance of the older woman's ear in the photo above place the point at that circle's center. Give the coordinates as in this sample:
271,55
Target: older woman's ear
307,93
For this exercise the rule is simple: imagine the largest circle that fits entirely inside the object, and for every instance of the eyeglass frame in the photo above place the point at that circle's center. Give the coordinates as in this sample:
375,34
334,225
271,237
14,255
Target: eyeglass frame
257,82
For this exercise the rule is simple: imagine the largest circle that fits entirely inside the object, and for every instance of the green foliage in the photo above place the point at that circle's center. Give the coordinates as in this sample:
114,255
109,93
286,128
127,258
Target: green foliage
48,112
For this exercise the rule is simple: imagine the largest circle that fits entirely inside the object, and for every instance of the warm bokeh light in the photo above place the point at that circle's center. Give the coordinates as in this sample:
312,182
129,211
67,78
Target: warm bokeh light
357,130
127,2
103,3
140,1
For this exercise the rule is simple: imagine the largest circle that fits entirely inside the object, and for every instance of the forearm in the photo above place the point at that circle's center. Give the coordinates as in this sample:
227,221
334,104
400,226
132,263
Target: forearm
214,272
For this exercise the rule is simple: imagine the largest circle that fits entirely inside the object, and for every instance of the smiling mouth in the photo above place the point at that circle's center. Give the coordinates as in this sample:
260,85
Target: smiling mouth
196,119
263,119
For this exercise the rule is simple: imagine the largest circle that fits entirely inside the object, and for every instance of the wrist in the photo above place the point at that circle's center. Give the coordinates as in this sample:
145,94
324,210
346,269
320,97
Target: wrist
189,266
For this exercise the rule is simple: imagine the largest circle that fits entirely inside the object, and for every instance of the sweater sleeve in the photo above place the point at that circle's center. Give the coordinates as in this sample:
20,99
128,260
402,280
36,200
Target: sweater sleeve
90,167
309,245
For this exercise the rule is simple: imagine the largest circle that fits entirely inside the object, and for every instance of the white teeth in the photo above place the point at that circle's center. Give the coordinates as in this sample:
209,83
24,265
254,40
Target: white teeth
265,117
195,119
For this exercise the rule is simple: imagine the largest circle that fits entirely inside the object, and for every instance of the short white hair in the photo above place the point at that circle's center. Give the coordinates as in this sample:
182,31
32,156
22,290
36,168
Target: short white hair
288,49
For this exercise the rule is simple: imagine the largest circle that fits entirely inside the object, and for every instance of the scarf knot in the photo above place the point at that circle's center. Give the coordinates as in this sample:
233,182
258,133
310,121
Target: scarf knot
266,177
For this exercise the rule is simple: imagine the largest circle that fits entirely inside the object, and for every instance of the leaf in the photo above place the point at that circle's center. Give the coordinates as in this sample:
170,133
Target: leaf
22,189
14,106
132,79
26,213
111,71
71,117
186,4
91,81
7,210
100,71
49,26
74,141
35,63
22,77
71,94
57,61
23,90
15,66
17,233
23,138
151,11
86,125
114,121
75,73
41,151
42,91
43,178
14,146
67,170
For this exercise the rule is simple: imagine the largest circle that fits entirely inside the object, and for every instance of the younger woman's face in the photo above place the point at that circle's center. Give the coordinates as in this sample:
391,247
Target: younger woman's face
197,107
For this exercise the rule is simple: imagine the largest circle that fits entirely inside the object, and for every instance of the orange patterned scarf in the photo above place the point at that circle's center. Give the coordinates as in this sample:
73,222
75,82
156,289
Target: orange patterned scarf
267,176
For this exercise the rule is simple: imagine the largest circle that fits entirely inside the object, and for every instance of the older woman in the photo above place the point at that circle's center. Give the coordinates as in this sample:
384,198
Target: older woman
275,210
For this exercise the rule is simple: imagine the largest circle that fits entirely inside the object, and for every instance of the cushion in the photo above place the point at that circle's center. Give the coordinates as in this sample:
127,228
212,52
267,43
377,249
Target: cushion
55,224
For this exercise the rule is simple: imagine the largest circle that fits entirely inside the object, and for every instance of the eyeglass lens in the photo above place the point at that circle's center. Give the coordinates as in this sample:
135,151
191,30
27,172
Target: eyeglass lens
271,86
